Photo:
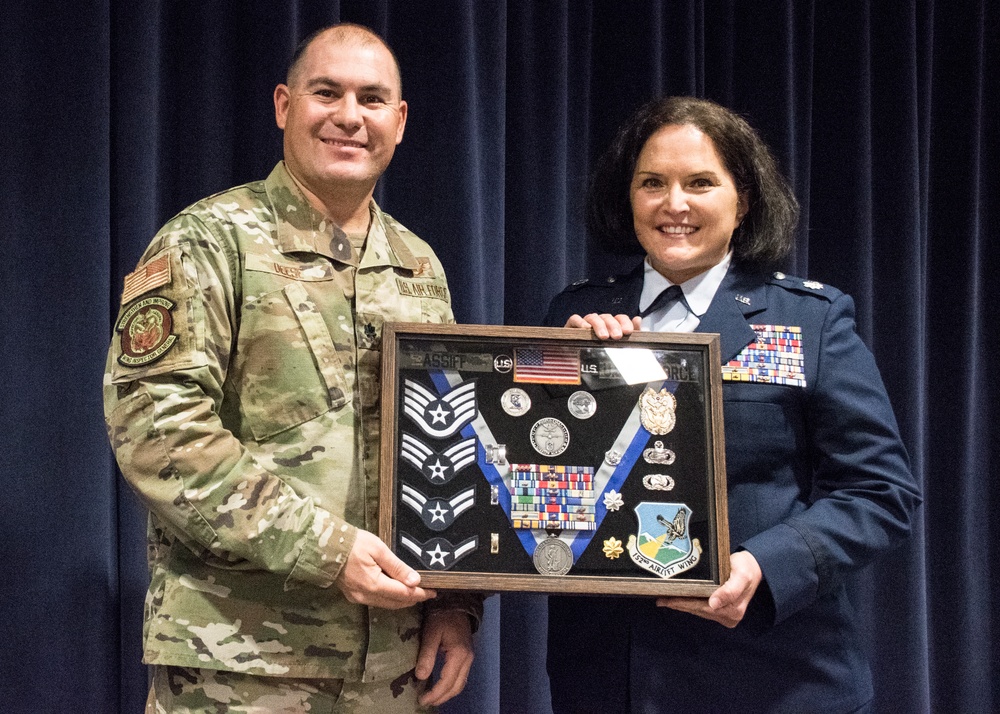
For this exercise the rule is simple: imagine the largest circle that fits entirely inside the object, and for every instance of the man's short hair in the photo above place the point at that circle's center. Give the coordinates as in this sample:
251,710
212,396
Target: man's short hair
346,33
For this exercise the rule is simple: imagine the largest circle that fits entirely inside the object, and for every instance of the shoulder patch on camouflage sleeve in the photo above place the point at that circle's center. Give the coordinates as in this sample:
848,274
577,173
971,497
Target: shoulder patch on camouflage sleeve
145,331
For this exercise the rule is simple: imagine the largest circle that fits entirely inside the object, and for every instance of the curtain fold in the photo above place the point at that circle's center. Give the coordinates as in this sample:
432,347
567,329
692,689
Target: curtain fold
883,114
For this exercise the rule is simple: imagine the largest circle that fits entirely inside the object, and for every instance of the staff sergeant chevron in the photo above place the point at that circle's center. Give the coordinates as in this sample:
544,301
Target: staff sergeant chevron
439,417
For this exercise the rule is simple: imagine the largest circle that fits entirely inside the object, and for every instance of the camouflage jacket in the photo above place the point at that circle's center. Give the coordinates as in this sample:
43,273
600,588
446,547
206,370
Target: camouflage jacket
242,403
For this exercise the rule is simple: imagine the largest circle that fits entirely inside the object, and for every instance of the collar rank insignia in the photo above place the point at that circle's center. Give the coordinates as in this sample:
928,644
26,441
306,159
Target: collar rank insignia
438,467
439,513
438,553
663,545
440,417
775,357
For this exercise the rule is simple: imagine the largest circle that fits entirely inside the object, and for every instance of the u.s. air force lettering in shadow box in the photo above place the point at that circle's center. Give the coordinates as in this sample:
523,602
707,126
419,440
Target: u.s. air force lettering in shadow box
519,458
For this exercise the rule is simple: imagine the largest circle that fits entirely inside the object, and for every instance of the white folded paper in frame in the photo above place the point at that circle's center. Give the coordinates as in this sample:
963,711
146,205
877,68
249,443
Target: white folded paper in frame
635,365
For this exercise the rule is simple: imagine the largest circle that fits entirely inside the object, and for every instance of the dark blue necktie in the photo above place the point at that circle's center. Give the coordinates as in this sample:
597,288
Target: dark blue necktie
664,300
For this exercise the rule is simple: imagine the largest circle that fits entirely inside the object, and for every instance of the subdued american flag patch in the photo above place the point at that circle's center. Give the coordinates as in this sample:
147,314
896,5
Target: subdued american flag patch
146,277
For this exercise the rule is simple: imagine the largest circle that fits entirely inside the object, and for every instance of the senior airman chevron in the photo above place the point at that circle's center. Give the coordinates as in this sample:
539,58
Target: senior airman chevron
775,357
438,513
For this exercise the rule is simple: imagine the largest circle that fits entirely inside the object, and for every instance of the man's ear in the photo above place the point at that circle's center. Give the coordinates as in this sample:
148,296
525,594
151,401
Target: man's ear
282,96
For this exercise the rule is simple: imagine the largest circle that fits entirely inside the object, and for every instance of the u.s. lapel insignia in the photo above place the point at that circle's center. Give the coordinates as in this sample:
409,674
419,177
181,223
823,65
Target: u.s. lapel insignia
438,553
657,410
663,544
438,467
438,513
439,417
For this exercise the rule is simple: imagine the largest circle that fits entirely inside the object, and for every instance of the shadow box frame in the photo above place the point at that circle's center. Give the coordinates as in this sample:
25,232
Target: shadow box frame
416,357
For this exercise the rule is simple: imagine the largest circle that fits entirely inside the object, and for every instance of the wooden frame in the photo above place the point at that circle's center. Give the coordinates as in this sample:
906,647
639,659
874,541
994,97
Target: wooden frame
535,459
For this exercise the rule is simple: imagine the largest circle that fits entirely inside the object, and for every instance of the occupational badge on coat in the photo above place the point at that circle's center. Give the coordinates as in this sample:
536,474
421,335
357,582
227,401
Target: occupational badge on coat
663,543
144,331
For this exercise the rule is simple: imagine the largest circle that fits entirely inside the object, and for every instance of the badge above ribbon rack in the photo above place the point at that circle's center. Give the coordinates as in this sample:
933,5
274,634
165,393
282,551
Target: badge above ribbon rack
545,460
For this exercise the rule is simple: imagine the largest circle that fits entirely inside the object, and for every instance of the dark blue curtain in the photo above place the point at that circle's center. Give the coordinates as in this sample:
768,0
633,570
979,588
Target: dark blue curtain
119,113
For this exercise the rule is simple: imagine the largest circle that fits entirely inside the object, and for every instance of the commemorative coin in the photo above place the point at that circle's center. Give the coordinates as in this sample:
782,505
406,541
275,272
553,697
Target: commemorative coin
582,404
549,437
515,401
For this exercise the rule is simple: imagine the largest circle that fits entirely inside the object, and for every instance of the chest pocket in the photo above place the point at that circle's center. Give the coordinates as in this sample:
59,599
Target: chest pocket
288,369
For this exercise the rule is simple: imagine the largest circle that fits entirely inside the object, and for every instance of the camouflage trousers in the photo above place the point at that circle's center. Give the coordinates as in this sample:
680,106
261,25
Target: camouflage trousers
184,690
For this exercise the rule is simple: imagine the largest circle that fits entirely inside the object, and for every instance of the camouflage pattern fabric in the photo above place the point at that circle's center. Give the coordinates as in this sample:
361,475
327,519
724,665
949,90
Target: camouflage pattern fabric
242,404
184,690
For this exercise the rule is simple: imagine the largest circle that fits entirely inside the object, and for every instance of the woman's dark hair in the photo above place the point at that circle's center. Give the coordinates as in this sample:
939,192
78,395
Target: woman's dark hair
765,235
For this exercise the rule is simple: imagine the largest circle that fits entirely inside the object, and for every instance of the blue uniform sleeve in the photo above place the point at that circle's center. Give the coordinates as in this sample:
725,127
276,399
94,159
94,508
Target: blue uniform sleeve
862,495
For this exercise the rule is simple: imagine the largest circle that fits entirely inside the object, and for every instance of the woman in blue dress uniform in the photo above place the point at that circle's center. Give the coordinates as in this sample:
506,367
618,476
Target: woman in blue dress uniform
818,479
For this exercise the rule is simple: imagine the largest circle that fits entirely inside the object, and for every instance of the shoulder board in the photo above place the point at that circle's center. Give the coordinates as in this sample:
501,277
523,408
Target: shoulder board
803,285
608,282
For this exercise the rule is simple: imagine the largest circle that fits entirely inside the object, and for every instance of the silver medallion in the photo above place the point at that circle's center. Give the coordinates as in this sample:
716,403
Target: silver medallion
657,410
549,437
612,457
658,482
553,557
658,455
582,404
515,401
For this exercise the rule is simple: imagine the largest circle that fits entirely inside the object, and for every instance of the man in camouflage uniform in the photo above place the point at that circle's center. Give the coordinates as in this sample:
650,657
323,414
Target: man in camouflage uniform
242,402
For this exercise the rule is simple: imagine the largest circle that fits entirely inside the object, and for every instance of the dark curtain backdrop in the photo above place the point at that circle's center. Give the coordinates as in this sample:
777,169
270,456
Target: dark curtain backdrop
121,112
